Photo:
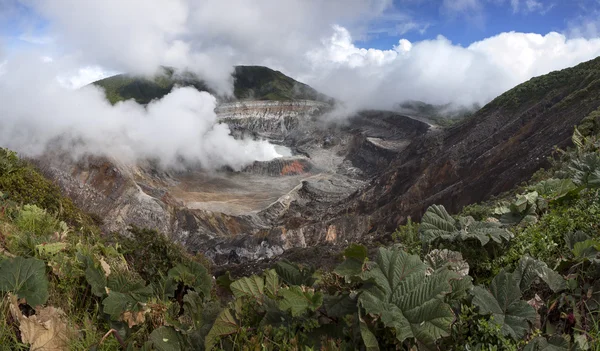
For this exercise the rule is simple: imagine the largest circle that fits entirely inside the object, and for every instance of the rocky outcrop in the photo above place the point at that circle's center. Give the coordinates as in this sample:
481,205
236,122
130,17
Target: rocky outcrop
268,119
280,167
262,210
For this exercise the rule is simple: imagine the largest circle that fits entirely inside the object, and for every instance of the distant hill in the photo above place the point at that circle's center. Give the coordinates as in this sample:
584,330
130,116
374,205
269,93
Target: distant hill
250,83
443,115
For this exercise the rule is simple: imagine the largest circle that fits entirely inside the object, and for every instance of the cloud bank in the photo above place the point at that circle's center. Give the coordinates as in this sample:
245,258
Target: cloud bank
311,41
438,71
180,128
207,37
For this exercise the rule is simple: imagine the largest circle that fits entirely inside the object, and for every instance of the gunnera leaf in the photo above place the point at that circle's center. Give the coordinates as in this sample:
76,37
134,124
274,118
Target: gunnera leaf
585,170
193,275
573,238
529,269
96,278
369,339
338,306
292,274
406,298
298,300
271,283
554,189
437,224
355,256
224,325
252,286
26,278
503,301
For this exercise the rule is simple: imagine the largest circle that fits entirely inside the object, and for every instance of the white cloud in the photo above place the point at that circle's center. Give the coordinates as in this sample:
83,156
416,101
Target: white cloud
83,76
206,36
181,127
438,71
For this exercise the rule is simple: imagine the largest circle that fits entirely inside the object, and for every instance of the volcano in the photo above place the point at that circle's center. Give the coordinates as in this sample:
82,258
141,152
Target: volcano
336,181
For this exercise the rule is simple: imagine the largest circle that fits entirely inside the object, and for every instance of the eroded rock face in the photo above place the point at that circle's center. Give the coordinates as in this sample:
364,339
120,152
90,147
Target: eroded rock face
262,210
344,182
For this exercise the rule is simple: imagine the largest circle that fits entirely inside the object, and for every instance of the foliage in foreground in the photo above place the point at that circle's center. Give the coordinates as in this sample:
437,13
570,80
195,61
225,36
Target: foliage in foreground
523,274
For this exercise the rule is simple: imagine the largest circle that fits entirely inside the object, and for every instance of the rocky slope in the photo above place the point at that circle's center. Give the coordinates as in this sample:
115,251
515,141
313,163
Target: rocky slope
259,211
343,182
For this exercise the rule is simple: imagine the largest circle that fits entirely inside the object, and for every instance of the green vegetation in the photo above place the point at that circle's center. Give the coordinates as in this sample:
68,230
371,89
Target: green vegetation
443,115
250,82
145,89
521,272
579,83
262,83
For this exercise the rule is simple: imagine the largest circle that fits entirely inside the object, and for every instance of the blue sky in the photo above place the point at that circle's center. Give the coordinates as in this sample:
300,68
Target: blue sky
467,21
461,21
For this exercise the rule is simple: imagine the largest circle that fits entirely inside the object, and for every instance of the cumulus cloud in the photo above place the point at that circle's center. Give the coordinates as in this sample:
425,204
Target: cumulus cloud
438,71
207,37
180,128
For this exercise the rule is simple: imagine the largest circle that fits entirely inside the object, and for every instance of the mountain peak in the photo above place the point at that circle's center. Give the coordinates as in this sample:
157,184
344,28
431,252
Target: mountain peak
250,83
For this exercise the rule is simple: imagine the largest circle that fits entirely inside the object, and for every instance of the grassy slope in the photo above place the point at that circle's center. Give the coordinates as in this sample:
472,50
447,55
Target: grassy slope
250,82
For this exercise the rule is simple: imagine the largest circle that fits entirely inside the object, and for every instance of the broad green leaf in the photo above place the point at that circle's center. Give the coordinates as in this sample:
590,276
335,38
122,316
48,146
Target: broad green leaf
523,210
224,325
116,303
166,339
586,170
529,269
349,268
96,278
586,250
165,288
125,295
406,298
193,275
252,286
224,281
369,339
573,238
355,257
298,300
437,224
271,283
356,251
554,188
192,306
340,305
25,277
503,301
294,275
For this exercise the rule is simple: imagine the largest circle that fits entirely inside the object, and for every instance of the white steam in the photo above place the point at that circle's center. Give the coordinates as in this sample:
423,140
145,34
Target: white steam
36,110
